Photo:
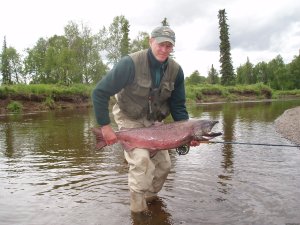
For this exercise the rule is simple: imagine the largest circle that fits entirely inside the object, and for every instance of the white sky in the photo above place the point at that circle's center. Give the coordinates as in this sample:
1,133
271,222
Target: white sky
259,29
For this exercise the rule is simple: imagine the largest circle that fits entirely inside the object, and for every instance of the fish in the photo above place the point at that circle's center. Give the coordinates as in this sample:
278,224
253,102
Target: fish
162,137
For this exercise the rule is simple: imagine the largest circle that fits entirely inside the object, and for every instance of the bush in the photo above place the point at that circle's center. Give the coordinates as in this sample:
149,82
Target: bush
49,102
15,107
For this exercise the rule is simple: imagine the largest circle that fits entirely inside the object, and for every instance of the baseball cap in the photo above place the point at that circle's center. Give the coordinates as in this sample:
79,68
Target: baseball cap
162,34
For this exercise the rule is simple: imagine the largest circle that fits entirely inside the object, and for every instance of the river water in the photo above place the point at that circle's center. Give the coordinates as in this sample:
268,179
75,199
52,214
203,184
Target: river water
50,172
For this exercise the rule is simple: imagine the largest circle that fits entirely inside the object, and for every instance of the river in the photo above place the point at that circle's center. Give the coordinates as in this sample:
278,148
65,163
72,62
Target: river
50,172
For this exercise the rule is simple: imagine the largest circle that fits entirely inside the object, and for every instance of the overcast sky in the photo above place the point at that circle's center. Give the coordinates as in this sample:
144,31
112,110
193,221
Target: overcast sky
259,29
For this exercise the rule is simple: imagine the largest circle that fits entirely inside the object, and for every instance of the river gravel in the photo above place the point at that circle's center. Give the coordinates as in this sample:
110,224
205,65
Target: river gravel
288,124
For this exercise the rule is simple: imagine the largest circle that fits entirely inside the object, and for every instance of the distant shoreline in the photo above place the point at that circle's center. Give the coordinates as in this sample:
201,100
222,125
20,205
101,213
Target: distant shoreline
84,102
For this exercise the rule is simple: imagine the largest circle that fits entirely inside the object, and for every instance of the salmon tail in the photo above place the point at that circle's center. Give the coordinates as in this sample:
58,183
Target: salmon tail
100,142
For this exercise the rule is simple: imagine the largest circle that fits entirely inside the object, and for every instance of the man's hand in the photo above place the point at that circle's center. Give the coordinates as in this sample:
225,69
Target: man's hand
109,135
195,143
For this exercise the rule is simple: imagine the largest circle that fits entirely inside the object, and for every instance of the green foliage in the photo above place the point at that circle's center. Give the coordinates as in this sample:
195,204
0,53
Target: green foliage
49,102
5,70
197,92
125,37
68,59
294,73
195,78
115,40
229,93
213,76
245,74
47,90
286,93
15,107
141,42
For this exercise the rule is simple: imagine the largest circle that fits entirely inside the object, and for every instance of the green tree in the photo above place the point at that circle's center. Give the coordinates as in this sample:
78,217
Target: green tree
5,70
34,62
245,74
66,59
141,42
213,76
15,66
227,72
125,37
57,60
195,78
87,65
260,71
76,51
294,71
114,41
278,73
165,22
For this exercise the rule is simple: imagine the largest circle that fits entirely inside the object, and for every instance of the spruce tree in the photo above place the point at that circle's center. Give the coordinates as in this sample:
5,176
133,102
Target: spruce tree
213,77
227,72
5,71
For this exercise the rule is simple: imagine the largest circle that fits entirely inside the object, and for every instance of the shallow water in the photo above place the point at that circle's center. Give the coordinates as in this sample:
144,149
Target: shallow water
50,172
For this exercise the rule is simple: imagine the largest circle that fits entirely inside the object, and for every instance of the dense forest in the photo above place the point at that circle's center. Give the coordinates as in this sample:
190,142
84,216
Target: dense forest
82,57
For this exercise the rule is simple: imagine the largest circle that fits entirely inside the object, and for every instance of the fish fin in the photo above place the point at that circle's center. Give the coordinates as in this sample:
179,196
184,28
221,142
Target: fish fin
127,147
100,142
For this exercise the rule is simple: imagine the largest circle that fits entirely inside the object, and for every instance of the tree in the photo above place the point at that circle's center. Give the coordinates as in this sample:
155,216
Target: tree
5,70
278,73
124,45
11,65
294,71
15,66
213,76
34,62
66,59
245,74
195,78
227,72
141,42
114,41
261,72
87,65
165,22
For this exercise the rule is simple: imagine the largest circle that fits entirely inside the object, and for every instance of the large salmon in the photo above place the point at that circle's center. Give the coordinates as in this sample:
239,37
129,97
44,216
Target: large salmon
162,137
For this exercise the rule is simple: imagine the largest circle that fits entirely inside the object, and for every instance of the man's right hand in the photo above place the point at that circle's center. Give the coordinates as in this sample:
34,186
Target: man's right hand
109,135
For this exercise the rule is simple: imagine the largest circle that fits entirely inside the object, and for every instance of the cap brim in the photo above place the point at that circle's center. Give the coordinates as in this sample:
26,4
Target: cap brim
164,39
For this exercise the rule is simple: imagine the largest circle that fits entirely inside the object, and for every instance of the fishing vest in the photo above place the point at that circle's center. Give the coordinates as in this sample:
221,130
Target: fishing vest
140,98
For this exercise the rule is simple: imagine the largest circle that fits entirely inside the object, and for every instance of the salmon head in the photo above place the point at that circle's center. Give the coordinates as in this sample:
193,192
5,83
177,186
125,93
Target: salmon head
202,130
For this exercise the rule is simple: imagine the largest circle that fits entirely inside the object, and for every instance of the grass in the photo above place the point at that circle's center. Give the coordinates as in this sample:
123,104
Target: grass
208,92
14,107
48,94
47,90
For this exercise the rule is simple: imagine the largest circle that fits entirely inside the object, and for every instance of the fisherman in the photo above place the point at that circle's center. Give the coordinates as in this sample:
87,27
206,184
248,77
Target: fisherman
148,86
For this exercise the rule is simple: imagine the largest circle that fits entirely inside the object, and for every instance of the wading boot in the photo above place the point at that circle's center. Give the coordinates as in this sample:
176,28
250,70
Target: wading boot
137,202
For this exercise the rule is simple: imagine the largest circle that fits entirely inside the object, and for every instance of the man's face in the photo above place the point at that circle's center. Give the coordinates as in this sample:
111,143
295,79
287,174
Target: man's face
161,51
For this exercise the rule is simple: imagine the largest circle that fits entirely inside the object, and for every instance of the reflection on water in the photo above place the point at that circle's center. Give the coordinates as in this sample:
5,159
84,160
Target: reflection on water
50,172
157,214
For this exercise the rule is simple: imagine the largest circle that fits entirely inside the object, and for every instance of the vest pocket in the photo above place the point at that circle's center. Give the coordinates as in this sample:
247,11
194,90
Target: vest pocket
166,90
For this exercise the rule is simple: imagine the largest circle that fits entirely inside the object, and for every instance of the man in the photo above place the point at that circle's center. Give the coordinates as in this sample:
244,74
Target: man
148,86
